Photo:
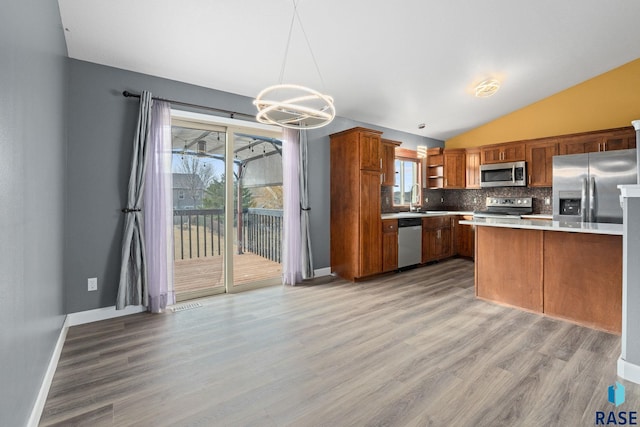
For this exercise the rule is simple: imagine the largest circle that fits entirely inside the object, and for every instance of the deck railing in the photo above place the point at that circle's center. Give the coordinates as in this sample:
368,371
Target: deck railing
262,233
200,233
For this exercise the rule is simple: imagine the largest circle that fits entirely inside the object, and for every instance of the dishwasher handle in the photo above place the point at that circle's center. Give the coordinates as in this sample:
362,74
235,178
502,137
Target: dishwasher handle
409,222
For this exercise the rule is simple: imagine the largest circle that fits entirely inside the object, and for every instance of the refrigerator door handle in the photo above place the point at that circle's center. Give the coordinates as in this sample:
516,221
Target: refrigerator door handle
592,200
583,201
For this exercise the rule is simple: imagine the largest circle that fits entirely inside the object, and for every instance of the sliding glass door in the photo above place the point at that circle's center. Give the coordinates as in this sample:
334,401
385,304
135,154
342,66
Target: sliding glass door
227,232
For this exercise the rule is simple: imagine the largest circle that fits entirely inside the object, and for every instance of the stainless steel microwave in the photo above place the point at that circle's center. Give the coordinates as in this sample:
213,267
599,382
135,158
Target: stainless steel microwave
512,174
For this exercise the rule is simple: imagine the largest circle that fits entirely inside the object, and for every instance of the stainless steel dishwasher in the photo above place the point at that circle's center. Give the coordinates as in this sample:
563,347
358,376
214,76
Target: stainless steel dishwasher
409,241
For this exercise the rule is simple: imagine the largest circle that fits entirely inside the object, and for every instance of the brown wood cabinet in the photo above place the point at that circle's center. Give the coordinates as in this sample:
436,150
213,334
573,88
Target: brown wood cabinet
370,151
454,168
465,238
539,156
620,139
507,152
573,276
356,226
472,167
436,238
389,245
388,162
589,142
579,144
509,266
434,171
583,279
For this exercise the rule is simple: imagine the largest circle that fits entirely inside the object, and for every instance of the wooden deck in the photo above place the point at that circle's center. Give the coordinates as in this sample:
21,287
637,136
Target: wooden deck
197,274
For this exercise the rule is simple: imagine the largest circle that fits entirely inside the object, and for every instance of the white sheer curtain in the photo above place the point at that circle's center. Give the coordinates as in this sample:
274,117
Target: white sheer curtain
158,211
291,261
306,257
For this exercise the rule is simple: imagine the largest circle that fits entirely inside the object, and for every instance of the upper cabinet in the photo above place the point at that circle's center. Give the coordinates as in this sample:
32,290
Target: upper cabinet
445,168
619,140
540,162
472,166
370,150
434,171
388,148
578,144
538,153
454,168
497,153
609,140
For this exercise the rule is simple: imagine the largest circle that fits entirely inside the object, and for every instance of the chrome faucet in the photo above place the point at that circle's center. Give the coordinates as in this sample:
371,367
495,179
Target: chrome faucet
414,196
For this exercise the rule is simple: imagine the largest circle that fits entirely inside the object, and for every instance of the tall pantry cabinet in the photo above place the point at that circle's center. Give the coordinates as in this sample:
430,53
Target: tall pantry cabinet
356,223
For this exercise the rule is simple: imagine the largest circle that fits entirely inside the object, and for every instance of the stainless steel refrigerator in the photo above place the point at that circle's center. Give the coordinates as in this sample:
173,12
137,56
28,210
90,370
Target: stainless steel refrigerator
585,186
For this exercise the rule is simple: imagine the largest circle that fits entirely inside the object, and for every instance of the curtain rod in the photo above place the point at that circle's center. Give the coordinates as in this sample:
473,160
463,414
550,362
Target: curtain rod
128,94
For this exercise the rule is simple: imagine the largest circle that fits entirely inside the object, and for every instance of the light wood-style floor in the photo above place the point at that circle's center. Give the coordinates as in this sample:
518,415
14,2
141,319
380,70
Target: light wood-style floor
409,349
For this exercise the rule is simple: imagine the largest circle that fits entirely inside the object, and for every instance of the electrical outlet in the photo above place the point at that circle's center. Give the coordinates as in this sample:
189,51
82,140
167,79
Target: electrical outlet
547,201
441,199
92,284
426,200
475,200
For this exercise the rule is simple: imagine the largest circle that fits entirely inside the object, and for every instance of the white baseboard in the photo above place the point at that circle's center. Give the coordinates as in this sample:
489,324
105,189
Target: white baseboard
38,407
72,319
82,317
322,272
628,371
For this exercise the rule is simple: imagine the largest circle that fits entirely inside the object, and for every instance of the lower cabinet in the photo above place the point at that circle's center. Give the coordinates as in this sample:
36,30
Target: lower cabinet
389,245
465,238
509,266
436,238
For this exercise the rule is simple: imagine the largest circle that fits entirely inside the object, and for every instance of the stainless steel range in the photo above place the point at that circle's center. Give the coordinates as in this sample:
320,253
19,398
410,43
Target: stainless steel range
505,207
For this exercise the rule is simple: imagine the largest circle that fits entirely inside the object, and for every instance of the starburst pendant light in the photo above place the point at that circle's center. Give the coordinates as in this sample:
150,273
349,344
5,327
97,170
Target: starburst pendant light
295,106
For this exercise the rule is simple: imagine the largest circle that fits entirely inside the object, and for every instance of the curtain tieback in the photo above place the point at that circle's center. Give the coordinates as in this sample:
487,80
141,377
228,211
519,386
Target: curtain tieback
129,210
304,209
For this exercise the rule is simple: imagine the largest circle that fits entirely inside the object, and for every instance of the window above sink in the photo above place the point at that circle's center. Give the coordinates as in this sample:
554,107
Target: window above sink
407,191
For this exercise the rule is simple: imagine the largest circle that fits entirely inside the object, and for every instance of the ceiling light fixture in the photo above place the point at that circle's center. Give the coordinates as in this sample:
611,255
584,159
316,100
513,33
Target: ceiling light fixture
294,106
487,88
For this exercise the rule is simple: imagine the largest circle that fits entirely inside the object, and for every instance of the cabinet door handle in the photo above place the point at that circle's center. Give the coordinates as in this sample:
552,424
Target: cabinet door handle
380,162
529,179
381,179
604,146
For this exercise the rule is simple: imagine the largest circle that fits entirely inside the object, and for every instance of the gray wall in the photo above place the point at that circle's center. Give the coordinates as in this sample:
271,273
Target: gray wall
101,127
32,167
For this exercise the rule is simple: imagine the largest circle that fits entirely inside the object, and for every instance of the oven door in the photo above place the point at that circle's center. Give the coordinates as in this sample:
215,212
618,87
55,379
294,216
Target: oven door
503,175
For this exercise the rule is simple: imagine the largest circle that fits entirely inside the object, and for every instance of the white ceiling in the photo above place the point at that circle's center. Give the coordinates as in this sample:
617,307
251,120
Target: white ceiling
390,63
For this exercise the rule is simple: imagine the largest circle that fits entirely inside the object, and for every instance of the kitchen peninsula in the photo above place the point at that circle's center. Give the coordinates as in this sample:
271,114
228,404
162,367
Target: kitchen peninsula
567,270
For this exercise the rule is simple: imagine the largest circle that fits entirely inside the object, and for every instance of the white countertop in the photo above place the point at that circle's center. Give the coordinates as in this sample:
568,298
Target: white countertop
423,214
537,216
547,225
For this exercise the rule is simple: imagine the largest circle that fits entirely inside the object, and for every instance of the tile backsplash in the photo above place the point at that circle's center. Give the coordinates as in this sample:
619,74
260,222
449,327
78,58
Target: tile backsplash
470,200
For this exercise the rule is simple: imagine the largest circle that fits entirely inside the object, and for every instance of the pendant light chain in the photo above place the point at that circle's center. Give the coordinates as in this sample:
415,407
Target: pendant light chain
304,33
286,50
